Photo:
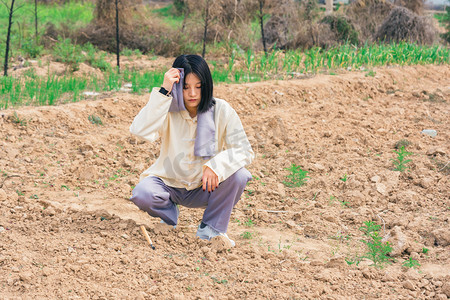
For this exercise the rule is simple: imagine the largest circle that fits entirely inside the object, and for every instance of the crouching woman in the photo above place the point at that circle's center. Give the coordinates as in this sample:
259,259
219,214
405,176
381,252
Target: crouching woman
204,150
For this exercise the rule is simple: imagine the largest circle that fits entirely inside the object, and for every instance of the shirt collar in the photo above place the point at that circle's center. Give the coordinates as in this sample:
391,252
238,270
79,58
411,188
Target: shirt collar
186,116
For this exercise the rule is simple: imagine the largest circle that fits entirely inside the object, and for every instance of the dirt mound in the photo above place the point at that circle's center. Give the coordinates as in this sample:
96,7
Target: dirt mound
404,25
68,230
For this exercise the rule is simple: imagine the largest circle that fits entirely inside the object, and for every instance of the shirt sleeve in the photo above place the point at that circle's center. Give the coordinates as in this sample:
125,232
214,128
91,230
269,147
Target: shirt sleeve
238,152
150,120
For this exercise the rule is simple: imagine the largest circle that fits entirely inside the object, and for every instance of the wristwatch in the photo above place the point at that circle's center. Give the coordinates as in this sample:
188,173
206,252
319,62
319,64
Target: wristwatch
164,91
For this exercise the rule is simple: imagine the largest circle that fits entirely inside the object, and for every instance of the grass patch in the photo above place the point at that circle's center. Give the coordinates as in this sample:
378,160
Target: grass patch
71,14
167,15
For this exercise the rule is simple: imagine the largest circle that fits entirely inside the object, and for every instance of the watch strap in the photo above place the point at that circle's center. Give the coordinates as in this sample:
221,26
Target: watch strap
164,91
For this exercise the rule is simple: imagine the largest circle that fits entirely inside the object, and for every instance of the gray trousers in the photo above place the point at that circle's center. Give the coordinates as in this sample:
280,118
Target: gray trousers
159,200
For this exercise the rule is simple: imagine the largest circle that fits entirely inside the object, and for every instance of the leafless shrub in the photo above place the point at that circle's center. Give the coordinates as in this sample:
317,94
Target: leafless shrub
417,6
368,15
291,24
137,30
404,25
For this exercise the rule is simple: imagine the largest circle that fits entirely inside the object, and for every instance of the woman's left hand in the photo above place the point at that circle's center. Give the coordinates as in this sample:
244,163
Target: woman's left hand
210,180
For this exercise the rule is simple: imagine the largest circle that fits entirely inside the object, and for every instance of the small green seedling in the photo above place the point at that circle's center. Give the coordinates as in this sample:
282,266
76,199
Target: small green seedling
219,281
95,120
371,73
16,119
411,263
249,223
401,161
247,235
425,250
342,202
297,177
378,249
344,179
354,260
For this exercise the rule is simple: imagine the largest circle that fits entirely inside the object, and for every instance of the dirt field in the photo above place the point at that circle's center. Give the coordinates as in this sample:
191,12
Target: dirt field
68,230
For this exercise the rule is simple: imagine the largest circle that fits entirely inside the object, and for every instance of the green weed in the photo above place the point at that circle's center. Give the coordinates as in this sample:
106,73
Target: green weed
425,250
297,177
371,73
377,250
130,52
354,260
31,49
401,161
66,52
16,119
95,120
96,58
247,235
249,223
219,281
411,263
344,179
280,248
342,202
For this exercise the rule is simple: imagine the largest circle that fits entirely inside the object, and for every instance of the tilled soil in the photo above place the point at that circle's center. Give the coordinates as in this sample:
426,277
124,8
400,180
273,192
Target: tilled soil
68,230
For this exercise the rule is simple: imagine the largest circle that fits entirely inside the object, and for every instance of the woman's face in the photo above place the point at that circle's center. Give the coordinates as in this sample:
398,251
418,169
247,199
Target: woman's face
192,92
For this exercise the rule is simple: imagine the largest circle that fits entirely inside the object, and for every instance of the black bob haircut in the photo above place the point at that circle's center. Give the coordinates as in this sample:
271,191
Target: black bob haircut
197,65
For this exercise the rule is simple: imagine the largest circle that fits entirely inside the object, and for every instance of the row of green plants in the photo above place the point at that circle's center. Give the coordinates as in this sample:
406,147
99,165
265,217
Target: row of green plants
377,250
345,56
242,66
52,90
298,177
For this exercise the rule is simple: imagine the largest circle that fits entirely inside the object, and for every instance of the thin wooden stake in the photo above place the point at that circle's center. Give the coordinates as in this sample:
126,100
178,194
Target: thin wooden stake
144,232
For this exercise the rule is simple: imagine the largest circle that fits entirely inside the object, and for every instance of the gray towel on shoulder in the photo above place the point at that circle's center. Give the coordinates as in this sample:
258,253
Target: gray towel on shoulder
205,140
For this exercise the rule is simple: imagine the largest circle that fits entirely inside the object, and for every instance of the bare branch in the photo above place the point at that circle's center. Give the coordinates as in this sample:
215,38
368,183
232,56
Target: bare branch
5,4
18,7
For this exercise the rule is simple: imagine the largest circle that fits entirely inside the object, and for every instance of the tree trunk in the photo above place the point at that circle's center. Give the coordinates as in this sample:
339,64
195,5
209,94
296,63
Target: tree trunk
8,36
186,14
35,22
206,27
261,22
117,36
329,7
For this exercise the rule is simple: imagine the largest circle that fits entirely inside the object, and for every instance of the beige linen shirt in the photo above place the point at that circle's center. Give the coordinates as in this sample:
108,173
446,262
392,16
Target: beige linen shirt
176,165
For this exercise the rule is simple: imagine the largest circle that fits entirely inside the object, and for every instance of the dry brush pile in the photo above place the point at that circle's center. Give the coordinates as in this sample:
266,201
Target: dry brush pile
287,24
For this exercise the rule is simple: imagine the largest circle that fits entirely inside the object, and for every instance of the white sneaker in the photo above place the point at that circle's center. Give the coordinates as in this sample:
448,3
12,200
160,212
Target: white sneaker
207,233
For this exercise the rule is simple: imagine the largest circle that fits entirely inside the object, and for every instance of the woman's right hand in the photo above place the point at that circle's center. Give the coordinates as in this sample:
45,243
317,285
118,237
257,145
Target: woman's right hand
170,77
